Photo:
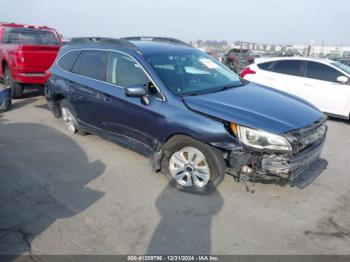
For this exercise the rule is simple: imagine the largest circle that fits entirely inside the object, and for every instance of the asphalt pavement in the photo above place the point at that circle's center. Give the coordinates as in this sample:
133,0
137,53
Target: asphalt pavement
71,194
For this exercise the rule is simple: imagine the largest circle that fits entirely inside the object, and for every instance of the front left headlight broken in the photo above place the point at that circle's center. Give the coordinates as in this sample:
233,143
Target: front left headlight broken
260,139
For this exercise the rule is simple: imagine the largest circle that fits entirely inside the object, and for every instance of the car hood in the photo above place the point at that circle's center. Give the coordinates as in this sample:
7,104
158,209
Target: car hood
257,107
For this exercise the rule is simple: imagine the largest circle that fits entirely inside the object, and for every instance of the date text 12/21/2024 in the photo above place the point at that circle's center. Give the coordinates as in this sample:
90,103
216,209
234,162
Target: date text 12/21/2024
173,258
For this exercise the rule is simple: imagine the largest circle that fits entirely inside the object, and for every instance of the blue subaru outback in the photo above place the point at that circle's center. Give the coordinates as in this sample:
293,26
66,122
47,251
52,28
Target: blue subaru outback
194,118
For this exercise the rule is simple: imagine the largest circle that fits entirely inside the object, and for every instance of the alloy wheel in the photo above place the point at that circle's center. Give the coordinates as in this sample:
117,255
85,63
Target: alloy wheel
189,167
69,120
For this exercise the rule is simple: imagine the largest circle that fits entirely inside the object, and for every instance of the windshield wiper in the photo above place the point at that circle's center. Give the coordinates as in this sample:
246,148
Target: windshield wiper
209,91
229,86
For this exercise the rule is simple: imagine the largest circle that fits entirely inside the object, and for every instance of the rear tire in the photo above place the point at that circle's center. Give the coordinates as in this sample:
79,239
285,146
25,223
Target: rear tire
192,166
16,88
68,116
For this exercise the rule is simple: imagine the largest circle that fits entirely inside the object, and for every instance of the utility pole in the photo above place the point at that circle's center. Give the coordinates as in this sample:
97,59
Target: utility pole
309,48
341,49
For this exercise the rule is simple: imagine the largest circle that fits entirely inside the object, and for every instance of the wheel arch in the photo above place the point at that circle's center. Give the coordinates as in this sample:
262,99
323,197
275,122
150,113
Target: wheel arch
158,151
55,105
3,64
213,156
174,135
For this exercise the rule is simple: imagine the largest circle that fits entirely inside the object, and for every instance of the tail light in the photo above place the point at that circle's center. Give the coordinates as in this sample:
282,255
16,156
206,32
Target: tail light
19,58
246,71
47,74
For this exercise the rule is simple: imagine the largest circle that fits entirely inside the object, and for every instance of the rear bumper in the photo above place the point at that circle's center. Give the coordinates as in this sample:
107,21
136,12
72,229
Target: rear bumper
21,76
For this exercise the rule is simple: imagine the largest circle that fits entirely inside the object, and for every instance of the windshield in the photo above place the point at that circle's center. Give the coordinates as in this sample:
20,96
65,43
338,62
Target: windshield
192,73
341,66
30,36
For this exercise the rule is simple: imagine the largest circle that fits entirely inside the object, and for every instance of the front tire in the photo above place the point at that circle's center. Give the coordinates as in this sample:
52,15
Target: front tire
192,166
16,88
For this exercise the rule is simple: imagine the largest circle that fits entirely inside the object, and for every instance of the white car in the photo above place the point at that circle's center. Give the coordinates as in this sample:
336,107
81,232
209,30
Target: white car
322,82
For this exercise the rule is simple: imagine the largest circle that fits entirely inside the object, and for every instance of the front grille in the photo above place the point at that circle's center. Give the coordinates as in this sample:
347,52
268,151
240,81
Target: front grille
311,137
303,138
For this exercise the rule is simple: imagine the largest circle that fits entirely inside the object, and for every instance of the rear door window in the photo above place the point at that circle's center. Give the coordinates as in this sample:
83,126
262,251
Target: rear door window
66,62
289,67
92,63
322,72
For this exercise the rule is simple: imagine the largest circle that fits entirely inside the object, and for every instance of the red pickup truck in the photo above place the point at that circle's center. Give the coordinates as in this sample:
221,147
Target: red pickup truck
26,52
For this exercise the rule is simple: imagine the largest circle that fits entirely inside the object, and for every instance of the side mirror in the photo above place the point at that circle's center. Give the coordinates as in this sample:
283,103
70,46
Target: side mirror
137,91
342,79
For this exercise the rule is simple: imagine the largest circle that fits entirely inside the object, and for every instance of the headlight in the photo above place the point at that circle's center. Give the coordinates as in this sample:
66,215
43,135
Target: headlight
260,139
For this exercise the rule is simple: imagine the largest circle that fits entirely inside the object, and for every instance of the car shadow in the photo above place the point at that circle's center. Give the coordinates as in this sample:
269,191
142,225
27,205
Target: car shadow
43,106
44,176
339,120
185,224
22,102
30,91
2,120
33,91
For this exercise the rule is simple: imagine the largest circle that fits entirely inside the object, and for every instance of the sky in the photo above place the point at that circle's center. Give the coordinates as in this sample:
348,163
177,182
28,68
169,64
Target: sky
262,21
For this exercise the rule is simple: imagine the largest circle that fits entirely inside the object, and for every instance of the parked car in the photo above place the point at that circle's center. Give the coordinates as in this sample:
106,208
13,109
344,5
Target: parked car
237,59
343,60
324,83
26,52
5,98
191,115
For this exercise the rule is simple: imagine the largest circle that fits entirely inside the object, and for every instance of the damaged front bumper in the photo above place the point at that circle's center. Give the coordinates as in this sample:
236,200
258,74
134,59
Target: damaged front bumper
298,169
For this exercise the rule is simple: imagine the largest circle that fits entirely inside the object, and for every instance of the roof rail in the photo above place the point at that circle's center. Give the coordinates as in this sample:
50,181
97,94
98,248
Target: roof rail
104,40
156,39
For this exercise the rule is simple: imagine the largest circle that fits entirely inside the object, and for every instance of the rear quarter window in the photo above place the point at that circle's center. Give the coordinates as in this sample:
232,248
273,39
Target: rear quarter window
92,63
66,62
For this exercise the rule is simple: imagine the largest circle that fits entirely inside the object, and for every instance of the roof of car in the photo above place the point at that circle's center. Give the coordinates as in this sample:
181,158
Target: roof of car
24,26
271,59
152,47
145,46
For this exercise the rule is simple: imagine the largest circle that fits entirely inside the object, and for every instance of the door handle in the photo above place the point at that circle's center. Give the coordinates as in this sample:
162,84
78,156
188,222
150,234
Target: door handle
104,97
107,98
270,78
